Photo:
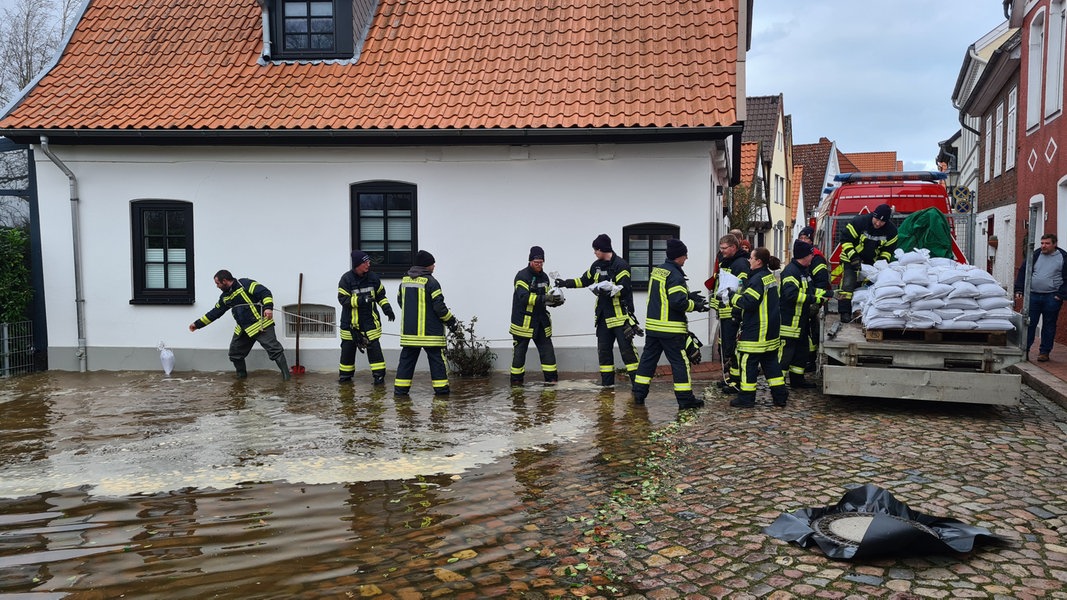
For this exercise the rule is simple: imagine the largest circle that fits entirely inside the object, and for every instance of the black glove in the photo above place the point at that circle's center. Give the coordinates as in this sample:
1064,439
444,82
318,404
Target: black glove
453,326
388,310
855,262
564,283
700,303
364,300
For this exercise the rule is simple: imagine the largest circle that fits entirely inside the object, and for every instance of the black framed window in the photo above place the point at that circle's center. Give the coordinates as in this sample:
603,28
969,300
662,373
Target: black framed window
644,246
312,29
162,234
384,224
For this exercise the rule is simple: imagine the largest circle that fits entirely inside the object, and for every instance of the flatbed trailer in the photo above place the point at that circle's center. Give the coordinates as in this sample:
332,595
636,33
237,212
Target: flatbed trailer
936,365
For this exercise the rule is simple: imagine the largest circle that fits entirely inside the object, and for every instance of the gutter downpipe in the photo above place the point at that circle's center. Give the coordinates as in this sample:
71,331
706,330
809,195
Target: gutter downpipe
75,217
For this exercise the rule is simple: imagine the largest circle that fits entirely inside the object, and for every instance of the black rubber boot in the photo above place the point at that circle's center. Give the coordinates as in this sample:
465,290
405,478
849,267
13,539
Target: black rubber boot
379,377
283,366
242,371
516,380
797,382
442,391
689,401
344,378
844,308
779,395
744,400
607,379
640,395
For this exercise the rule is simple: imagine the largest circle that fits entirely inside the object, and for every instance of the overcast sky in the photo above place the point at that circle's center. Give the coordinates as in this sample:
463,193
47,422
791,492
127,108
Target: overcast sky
872,75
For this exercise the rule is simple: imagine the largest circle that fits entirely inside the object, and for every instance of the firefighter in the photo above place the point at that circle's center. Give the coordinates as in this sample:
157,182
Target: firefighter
759,339
360,292
797,297
734,260
820,281
867,238
423,318
253,310
609,278
667,329
530,319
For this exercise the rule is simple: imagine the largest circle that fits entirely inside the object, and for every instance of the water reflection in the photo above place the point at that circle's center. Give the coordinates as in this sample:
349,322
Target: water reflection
197,486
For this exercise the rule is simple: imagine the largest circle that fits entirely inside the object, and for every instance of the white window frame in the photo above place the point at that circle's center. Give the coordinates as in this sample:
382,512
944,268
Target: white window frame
1010,144
1054,65
1035,70
998,140
986,168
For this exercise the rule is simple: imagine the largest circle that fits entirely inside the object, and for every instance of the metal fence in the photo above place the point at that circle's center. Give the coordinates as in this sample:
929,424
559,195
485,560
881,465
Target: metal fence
16,348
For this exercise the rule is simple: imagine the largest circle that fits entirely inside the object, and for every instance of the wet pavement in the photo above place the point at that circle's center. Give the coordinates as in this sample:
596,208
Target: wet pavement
138,485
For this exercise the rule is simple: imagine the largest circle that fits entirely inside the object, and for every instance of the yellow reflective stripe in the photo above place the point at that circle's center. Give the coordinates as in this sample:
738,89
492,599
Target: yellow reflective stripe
643,379
423,340
522,284
346,334
526,332
666,326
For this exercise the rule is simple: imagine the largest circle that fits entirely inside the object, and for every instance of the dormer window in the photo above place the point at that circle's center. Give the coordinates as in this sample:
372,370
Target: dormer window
315,29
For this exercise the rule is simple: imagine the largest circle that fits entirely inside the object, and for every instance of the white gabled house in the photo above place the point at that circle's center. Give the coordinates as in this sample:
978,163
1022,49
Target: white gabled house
271,138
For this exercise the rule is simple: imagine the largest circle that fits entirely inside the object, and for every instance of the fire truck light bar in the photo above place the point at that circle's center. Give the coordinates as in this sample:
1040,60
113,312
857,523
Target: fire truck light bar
891,176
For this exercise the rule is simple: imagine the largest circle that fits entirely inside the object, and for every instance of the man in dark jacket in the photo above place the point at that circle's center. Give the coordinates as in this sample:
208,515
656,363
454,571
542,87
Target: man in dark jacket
253,310
423,318
1048,288
360,292
530,319
733,260
609,277
796,298
819,269
867,238
667,328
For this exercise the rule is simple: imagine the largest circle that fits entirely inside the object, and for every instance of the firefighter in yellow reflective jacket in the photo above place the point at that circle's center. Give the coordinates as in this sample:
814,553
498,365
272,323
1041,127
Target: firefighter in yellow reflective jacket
798,296
530,319
732,259
820,280
867,238
667,328
360,292
761,319
609,278
423,318
253,310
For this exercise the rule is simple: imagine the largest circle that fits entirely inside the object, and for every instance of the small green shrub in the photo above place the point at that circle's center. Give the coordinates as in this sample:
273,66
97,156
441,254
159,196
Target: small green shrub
15,290
468,355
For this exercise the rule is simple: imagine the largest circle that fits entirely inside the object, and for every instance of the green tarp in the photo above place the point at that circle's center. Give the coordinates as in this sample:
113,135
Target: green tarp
928,229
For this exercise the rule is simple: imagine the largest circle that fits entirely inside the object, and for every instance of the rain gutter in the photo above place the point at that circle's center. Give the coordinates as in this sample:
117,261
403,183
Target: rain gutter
75,218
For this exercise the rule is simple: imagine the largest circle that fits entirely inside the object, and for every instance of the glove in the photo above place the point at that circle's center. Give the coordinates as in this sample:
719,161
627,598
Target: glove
854,262
564,283
702,306
388,310
696,297
364,300
453,326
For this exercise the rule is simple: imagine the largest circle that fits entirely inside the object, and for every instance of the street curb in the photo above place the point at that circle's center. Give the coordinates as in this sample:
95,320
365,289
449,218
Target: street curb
1047,384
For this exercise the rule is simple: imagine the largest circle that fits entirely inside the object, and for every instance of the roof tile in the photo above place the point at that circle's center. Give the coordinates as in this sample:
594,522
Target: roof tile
425,64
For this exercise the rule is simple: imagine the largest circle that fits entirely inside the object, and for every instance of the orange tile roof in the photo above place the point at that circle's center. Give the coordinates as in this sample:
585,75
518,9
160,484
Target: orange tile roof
426,64
874,162
797,188
750,152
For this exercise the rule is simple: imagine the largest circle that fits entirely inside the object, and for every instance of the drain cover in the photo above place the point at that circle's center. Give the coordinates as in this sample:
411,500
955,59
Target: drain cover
848,529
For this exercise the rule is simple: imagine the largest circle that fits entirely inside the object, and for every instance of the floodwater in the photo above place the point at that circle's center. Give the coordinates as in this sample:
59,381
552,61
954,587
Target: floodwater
140,485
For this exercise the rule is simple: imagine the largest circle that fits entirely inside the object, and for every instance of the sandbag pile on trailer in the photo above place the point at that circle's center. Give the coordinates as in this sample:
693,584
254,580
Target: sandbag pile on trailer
919,292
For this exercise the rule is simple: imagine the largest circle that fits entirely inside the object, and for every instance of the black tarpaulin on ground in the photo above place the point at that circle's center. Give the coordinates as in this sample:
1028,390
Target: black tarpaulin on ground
869,522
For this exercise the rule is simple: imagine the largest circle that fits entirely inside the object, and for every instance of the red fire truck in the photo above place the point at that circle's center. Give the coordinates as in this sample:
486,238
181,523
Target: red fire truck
858,193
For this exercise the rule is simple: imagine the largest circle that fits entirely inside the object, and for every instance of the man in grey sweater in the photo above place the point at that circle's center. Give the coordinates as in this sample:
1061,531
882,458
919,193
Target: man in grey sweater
1048,288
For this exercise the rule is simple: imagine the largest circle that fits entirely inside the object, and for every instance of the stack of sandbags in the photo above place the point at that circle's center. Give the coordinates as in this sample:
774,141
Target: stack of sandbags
919,292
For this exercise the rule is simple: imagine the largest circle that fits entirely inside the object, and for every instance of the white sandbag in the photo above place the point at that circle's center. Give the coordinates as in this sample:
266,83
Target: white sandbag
994,325
884,323
947,314
987,290
939,290
956,325
915,273
950,276
963,289
166,358
861,295
978,276
942,262
962,303
917,256
913,292
887,291
889,277
870,272
925,315
605,286
928,304
889,305
969,315
992,303
999,313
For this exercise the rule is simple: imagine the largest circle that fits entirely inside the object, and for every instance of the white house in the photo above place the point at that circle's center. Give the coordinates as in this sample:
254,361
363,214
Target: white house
271,138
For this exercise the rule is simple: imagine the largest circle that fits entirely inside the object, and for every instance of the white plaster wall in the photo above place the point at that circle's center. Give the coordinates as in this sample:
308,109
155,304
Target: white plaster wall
1005,263
271,214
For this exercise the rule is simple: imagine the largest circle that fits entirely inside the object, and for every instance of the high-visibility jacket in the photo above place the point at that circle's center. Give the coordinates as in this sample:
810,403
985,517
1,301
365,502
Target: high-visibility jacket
360,297
528,310
797,297
668,300
613,311
737,265
423,314
860,238
820,276
248,299
761,316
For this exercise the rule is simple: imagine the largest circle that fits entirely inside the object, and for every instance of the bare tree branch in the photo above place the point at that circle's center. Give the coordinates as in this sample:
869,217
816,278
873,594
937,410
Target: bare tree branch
30,33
